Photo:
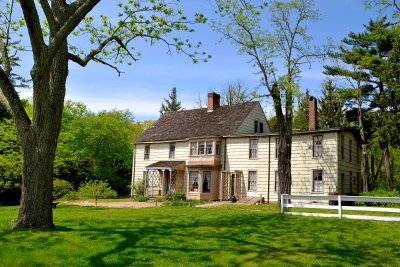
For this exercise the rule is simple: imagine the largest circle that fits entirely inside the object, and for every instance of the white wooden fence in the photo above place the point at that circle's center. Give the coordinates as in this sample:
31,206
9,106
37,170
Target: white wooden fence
339,207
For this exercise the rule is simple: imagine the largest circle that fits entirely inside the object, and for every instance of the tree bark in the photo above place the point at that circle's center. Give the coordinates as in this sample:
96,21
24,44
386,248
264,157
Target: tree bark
39,143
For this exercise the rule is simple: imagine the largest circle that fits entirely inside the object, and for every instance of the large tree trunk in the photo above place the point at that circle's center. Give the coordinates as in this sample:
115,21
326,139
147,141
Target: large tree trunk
37,185
40,141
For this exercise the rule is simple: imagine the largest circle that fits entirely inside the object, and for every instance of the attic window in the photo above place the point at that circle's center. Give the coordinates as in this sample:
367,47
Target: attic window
258,127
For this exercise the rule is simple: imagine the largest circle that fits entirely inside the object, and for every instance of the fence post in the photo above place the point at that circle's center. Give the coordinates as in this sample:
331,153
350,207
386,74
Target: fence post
282,203
340,206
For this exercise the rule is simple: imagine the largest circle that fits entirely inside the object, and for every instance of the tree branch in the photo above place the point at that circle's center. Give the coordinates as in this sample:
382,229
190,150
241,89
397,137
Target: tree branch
10,100
83,8
34,28
49,14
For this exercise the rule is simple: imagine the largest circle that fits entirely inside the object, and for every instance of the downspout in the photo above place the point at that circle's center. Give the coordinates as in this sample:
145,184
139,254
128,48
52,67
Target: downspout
269,166
134,171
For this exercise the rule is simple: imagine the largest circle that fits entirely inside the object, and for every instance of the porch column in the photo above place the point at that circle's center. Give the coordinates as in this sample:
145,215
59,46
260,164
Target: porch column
162,182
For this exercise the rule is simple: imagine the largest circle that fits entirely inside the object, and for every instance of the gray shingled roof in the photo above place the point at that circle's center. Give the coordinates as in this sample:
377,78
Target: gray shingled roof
196,123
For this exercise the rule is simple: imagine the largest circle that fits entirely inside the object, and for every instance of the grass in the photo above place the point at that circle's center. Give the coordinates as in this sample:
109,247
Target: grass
231,235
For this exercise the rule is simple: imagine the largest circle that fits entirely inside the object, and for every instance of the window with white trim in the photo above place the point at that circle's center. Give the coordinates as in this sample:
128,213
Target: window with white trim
317,146
318,185
252,181
209,147
194,181
146,151
201,148
253,148
206,181
193,148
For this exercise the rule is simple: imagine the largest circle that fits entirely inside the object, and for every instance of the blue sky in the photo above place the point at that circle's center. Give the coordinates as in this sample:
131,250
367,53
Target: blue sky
143,86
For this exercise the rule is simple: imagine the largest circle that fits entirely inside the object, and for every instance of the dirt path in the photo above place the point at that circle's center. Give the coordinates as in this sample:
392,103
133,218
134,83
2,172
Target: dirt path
130,204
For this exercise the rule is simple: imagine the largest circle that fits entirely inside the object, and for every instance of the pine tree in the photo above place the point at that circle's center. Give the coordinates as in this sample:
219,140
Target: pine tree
300,120
330,111
171,104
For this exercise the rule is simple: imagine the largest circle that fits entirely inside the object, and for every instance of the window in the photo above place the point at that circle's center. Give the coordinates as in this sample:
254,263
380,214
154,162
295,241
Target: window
276,147
172,150
342,146
146,151
258,127
206,181
253,149
317,146
201,148
350,149
194,181
252,182
276,185
318,185
255,126
218,148
193,148
209,147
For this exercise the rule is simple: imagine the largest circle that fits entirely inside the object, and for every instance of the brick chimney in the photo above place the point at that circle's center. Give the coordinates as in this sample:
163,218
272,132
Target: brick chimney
213,101
312,113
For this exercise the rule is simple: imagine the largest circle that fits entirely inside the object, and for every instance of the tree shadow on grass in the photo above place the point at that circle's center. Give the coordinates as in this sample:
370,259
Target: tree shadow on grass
211,237
233,241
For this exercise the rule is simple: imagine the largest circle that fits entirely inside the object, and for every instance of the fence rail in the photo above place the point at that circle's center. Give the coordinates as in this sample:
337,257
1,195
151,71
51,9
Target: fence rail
285,205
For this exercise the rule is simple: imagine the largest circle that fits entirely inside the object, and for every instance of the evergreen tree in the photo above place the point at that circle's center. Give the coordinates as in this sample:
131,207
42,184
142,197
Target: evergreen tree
331,107
371,55
300,120
171,104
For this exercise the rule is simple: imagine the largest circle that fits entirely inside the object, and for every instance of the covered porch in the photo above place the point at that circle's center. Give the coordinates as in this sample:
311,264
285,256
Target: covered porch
162,177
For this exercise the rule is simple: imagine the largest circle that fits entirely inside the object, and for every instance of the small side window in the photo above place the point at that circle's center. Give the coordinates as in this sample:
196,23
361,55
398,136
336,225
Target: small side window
147,152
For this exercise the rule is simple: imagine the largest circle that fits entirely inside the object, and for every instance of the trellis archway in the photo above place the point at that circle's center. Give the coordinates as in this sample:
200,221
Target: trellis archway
232,184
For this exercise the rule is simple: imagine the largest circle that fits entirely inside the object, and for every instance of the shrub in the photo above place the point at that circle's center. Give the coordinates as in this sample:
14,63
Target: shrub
142,198
138,187
72,195
171,196
379,193
61,188
97,190
181,202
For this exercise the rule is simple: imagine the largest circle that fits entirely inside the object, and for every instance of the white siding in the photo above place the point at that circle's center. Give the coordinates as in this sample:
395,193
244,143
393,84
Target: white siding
158,152
247,126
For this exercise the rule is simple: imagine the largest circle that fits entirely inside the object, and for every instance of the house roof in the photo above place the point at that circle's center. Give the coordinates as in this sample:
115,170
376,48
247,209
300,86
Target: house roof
197,123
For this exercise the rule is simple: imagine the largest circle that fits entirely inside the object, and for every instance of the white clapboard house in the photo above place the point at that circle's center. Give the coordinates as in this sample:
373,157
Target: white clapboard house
217,152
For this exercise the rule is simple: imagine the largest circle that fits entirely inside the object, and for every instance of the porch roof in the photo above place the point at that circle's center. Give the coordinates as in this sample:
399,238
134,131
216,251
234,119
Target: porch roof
166,165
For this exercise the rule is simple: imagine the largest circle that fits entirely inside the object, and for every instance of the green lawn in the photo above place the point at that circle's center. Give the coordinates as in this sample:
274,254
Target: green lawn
231,235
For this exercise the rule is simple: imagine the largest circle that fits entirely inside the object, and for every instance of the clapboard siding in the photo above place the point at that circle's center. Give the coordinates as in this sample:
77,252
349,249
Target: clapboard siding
247,126
158,152
235,157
